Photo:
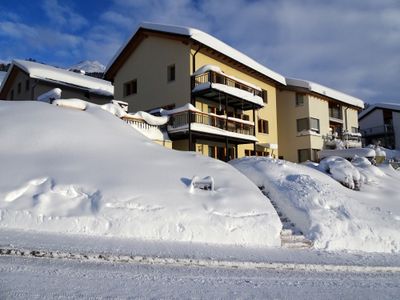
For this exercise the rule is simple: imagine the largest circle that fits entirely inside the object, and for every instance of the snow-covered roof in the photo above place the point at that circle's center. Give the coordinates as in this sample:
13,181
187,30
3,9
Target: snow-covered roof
2,75
323,90
208,41
53,74
390,106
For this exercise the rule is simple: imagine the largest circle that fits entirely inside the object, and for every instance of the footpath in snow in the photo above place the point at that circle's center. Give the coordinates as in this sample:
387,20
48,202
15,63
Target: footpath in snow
332,216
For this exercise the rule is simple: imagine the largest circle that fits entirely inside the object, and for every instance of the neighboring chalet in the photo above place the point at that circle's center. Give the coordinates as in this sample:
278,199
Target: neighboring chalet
26,80
221,102
312,117
380,125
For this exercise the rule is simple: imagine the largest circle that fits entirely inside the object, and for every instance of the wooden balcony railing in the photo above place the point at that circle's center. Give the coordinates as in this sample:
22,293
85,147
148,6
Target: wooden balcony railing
215,77
221,122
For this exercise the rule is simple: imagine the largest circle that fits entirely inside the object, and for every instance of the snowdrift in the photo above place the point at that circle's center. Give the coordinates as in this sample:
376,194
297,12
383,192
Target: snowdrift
70,171
333,216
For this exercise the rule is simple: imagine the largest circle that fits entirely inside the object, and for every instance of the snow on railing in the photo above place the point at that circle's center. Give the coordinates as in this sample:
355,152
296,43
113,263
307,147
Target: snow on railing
153,132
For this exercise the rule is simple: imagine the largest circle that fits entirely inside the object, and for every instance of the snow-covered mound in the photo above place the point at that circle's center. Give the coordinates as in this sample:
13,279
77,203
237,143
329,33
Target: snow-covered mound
333,216
89,66
341,170
71,171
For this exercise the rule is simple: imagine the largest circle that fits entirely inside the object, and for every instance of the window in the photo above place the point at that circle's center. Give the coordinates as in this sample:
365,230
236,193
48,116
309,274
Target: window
307,154
171,73
245,117
12,95
130,88
265,96
27,85
299,99
308,124
335,111
19,88
314,125
354,130
263,126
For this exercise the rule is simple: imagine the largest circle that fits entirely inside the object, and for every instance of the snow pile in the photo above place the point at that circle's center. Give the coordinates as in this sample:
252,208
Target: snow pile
71,103
333,216
341,170
150,119
51,95
114,109
368,172
87,172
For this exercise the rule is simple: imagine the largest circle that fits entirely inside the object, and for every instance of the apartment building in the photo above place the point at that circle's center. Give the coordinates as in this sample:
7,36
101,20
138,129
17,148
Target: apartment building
380,125
221,103
312,117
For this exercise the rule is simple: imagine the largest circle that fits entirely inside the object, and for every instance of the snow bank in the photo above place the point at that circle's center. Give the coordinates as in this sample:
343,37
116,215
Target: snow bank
341,170
334,217
51,95
87,172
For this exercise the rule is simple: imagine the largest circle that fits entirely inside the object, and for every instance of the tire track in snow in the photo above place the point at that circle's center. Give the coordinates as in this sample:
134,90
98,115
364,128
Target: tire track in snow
193,262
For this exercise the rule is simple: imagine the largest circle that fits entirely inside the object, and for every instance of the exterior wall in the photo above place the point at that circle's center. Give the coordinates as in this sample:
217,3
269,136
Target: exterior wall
288,113
352,118
267,113
396,127
373,119
148,64
182,145
25,94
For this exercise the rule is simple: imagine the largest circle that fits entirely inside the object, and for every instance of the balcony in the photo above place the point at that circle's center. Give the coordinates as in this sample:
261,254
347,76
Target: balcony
227,90
219,126
378,130
342,140
335,114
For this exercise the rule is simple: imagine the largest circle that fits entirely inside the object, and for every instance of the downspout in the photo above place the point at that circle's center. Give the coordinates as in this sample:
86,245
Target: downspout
345,118
192,99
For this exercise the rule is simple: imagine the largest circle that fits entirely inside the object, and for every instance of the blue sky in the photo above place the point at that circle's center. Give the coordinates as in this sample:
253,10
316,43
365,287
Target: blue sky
353,46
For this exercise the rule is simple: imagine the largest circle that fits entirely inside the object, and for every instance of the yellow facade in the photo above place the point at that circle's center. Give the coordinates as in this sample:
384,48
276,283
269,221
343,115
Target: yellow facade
148,65
290,140
268,112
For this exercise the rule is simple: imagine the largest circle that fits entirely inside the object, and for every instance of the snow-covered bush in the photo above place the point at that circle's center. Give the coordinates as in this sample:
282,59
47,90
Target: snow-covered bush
341,170
368,172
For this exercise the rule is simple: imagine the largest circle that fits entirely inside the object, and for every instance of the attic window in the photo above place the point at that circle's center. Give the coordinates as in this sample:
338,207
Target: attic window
130,88
299,99
171,73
